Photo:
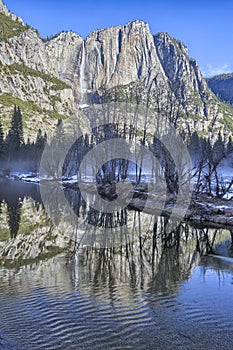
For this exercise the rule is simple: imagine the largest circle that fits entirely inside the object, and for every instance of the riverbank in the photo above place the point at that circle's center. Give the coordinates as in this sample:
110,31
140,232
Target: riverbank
202,208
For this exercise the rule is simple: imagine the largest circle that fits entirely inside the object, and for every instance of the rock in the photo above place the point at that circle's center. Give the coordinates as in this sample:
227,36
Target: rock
222,86
120,55
127,58
5,11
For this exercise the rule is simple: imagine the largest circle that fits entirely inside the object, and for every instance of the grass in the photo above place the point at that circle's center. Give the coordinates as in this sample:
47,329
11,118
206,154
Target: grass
10,28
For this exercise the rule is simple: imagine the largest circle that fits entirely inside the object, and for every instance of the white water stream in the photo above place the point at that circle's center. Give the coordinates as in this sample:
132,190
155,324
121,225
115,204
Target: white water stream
83,82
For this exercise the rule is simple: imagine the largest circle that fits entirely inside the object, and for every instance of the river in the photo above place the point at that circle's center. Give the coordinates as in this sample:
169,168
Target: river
155,290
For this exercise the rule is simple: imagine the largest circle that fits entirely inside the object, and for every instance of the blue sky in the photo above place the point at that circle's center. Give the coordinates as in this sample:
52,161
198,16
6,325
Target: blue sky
206,27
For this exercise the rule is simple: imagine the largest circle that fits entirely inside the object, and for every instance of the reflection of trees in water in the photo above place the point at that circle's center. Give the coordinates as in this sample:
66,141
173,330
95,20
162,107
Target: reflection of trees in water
221,255
76,201
13,193
148,251
1,201
231,247
155,261
14,213
150,262
107,220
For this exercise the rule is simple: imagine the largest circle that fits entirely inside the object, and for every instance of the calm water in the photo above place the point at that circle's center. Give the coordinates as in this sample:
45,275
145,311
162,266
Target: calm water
156,291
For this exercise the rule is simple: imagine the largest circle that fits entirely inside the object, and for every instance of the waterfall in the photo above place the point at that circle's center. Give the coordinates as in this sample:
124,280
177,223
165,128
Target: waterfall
83,82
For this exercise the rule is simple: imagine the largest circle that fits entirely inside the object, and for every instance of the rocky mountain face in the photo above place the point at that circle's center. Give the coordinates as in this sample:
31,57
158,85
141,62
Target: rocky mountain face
222,86
52,79
4,10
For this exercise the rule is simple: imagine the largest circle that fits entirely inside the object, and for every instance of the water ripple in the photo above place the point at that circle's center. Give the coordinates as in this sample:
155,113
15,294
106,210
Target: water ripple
51,322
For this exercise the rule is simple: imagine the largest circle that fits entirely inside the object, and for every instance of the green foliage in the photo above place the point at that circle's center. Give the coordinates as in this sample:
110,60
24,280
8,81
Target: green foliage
227,115
229,149
14,138
14,212
223,76
1,139
122,93
10,28
20,68
194,145
7,100
228,121
51,37
218,149
40,140
194,99
28,108
51,252
17,125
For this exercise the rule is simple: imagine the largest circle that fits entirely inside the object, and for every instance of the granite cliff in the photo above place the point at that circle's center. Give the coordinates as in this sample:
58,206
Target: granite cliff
51,79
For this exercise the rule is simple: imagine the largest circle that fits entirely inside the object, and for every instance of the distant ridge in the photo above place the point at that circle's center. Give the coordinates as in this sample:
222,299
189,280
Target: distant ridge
222,86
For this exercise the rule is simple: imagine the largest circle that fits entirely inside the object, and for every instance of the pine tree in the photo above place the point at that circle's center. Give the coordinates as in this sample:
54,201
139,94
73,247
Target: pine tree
206,149
14,214
230,146
218,149
194,146
40,140
17,126
14,138
1,140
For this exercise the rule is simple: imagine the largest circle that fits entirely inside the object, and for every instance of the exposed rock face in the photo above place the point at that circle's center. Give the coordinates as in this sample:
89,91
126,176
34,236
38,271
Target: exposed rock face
5,11
36,71
222,86
116,57
182,72
120,55
58,56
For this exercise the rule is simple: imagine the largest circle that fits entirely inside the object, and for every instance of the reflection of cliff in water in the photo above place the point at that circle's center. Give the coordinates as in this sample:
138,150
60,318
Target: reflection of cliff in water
12,194
119,275
149,263
127,243
61,279
26,232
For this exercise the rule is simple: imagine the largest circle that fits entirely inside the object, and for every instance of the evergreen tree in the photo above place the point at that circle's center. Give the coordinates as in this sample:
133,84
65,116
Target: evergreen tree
194,146
40,140
14,138
59,134
14,214
206,149
229,146
1,140
218,149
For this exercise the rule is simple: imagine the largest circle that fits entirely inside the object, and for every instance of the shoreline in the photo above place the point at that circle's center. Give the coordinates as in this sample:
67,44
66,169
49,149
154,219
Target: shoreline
202,208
